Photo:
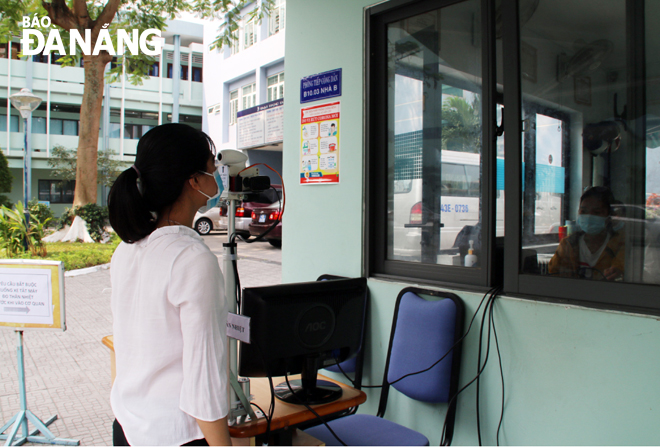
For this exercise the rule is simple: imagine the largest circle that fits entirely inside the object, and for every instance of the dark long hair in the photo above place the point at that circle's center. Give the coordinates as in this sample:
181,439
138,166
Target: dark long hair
167,156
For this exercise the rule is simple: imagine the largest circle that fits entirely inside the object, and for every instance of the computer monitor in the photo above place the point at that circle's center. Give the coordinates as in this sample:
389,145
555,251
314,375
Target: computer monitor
300,327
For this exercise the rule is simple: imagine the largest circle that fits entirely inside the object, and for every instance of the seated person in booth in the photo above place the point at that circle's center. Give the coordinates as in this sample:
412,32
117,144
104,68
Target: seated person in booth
596,249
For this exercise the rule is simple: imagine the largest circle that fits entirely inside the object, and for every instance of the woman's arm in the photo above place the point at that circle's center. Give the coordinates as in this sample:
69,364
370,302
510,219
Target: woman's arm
216,432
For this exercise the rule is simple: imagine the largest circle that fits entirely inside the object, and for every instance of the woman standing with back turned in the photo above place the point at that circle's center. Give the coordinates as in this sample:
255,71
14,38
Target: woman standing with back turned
168,300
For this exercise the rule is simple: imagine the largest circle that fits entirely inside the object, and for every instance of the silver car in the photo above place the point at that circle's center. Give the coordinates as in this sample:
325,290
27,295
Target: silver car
209,220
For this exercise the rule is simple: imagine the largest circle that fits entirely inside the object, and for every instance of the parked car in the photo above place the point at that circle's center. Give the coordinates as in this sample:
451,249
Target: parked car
262,219
245,208
209,220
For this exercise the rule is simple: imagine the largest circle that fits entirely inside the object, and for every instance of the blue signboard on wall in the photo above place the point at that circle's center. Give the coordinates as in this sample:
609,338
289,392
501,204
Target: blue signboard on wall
320,86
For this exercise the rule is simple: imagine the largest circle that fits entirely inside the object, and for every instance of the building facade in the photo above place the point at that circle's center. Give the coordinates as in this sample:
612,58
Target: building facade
244,75
128,110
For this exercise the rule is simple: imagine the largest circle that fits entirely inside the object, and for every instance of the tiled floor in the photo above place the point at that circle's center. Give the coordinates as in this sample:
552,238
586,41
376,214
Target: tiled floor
68,373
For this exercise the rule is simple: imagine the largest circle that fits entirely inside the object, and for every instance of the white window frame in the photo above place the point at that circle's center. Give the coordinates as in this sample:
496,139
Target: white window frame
249,34
276,89
248,96
235,44
233,106
277,16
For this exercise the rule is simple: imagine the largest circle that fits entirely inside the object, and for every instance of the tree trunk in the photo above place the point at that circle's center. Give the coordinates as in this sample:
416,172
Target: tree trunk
90,121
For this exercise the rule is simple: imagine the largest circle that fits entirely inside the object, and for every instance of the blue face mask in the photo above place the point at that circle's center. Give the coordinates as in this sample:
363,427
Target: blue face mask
591,224
213,200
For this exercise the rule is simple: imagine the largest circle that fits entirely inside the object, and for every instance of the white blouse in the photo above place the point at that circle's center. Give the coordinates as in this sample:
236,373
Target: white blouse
169,329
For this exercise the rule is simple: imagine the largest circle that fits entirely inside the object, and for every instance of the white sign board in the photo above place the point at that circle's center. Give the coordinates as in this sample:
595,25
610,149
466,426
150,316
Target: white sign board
261,125
32,294
238,327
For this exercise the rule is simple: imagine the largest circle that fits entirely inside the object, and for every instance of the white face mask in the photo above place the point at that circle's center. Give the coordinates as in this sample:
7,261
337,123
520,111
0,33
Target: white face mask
212,200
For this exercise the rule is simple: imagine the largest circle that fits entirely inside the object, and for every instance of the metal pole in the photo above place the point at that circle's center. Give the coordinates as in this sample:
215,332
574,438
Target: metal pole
21,380
27,162
230,293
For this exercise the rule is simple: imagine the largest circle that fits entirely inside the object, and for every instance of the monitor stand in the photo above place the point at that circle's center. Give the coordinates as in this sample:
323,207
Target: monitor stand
308,390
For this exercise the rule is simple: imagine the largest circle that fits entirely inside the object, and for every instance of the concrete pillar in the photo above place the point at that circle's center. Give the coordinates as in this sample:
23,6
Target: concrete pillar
176,78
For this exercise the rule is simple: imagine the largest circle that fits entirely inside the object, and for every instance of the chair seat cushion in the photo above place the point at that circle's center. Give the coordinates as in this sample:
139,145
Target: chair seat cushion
364,429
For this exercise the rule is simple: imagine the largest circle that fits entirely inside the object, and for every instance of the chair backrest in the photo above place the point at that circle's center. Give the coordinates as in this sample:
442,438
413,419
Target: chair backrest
423,331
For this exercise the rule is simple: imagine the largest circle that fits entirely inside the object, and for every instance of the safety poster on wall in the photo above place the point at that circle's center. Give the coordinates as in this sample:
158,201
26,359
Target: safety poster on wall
319,144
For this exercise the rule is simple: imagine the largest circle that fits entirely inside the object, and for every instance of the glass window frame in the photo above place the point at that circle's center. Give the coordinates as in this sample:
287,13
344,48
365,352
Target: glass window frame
639,298
376,220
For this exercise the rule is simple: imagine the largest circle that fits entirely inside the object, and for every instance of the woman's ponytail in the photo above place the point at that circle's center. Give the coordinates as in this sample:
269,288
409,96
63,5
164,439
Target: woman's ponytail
128,211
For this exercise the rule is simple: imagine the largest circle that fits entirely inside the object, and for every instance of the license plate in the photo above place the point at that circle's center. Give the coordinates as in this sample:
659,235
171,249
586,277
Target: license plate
262,218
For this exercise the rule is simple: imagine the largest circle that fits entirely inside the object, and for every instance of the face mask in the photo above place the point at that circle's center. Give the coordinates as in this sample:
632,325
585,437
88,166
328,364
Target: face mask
591,224
212,200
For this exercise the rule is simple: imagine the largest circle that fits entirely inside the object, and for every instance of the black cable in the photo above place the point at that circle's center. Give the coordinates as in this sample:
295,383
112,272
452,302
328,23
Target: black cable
499,356
454,345
262,411
351,380
318,416
492,292
481,368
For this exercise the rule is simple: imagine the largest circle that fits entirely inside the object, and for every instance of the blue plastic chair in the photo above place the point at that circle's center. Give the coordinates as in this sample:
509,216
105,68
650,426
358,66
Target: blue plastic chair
423,331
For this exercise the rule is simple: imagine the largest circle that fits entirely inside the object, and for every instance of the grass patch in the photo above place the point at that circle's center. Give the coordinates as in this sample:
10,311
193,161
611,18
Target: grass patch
78,255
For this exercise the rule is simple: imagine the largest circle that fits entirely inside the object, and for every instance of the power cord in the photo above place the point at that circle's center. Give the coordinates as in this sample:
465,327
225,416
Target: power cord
492,293
318,416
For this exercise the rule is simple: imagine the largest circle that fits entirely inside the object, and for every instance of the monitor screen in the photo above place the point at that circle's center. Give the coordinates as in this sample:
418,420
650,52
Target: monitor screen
301,327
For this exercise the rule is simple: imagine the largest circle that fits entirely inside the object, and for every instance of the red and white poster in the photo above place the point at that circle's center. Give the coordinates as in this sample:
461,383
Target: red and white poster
319,144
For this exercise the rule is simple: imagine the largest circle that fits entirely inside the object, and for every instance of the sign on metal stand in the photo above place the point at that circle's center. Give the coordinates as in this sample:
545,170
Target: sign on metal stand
31,297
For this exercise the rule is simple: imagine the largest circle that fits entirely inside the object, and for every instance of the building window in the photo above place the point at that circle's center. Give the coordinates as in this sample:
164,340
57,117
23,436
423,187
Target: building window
249,96
249,34
235,44
154,70
56,191
276,21
275,87
15,49
183,73
197,74
131,131
13,123
233,106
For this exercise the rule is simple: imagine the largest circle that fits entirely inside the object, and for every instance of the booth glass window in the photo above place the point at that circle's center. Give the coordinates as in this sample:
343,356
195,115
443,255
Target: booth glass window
591,140
434,148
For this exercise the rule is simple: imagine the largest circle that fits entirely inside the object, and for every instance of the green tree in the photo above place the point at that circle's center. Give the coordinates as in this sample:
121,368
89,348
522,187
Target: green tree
95,15
461,127
5,180
64,163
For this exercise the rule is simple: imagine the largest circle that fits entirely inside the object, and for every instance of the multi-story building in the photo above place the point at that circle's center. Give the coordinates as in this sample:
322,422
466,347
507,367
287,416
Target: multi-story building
246,74
128,110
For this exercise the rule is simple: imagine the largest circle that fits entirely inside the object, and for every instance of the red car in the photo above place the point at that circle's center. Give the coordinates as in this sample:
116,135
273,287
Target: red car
244,209
262,219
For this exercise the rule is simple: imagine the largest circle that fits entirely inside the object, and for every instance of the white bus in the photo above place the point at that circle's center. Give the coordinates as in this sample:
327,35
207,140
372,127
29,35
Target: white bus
459,202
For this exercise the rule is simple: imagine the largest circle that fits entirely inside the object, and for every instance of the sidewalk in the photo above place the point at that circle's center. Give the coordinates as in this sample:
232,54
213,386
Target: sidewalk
68,373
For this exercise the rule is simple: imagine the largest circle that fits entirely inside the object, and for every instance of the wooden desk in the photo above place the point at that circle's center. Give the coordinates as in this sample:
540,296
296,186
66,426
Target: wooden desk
286,415
289,415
